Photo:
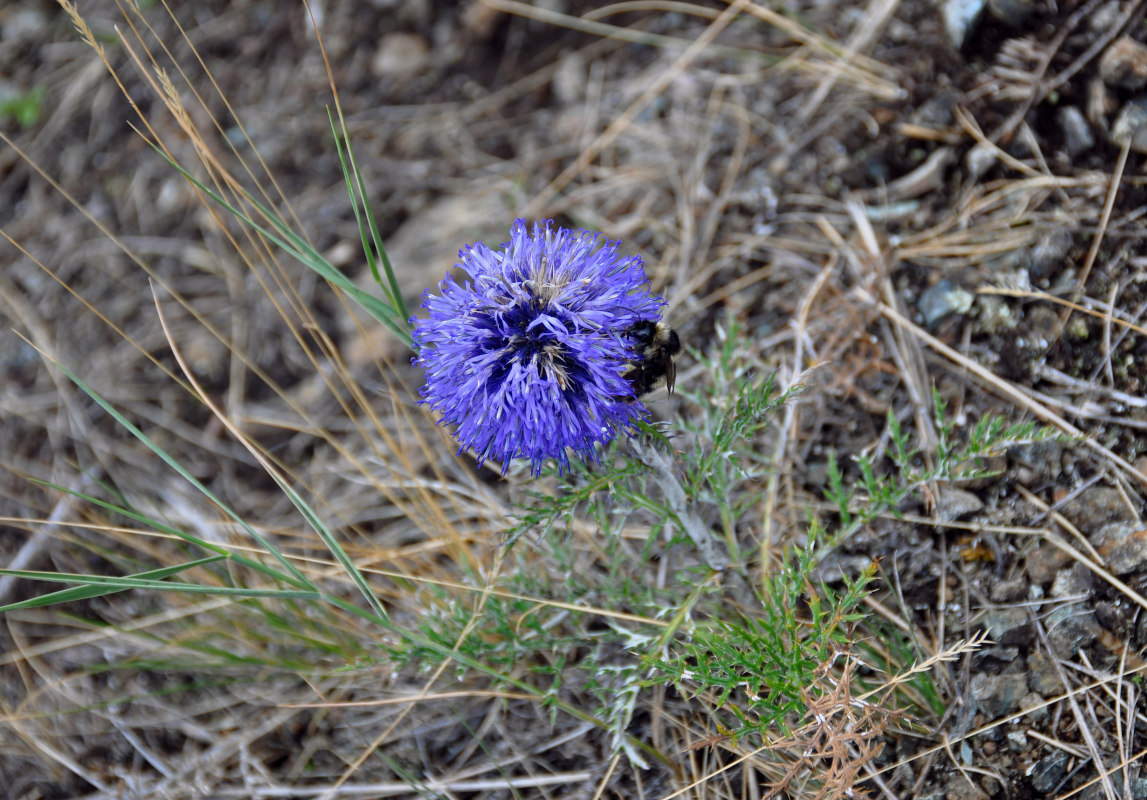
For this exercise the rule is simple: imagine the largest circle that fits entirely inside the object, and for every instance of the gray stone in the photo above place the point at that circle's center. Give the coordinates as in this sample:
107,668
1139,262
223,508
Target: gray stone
938,111
1045,458
1123,547
1033,705
400,56
960,16
944,298
994,659
1077,135
1070,628
954,503
1009,627
959,788
1097,506
998,695
1049,771
1012,13
1073,581
1130,126
1044,562
1124,64
1008,590
1043,678
1114,617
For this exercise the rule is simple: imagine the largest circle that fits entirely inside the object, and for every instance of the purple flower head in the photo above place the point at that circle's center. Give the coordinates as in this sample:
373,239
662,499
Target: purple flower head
527,359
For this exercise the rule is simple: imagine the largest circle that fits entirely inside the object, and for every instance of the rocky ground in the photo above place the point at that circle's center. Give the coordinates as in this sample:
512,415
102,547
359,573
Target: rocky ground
845,181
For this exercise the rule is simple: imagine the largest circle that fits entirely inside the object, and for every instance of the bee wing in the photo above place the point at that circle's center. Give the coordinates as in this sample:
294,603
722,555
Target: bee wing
670,374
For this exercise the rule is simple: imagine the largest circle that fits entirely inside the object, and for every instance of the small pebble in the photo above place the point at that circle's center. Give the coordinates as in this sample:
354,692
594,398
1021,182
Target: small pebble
1124,64
1131,125
1009,627
1071,629
1043,677
1077,135
1123,547
940,300
1097,506
1008,590
1073,581
960,16
998,695
400,56
1012,13
1049,771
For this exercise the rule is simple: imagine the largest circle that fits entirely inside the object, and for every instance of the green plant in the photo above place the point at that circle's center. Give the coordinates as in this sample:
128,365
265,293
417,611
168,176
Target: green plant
26,108
876,492
757,663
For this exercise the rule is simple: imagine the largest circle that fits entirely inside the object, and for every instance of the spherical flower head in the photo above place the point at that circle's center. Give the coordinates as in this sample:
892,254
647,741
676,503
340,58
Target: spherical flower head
527,358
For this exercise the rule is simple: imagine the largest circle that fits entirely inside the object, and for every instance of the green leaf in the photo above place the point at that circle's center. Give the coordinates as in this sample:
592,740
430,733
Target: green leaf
298,247
107,584
84,592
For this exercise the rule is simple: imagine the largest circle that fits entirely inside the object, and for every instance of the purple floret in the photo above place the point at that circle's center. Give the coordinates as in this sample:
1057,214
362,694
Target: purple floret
526,359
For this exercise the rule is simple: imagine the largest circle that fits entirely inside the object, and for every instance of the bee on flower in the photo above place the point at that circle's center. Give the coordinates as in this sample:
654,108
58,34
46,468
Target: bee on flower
542,350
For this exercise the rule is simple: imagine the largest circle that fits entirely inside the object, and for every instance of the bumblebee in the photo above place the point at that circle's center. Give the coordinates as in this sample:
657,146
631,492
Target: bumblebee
656,344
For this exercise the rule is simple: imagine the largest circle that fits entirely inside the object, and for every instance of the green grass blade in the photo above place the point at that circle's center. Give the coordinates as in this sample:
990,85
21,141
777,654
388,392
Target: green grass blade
394,292
309,514
349,180
332,544
84,592
298,248
119,584
187,476
130,513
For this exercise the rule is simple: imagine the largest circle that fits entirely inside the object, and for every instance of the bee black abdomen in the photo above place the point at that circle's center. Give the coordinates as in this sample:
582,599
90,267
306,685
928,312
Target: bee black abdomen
656,346
643,378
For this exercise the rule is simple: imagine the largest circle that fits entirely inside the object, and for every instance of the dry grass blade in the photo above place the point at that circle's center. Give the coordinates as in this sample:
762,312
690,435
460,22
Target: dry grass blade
542,200
1105,217
1012,392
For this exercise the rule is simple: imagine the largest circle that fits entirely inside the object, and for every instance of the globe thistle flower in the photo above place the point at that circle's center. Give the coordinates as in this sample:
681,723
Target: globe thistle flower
526,359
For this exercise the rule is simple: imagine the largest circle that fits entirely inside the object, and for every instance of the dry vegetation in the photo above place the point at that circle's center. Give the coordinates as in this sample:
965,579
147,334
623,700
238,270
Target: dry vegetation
876,214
